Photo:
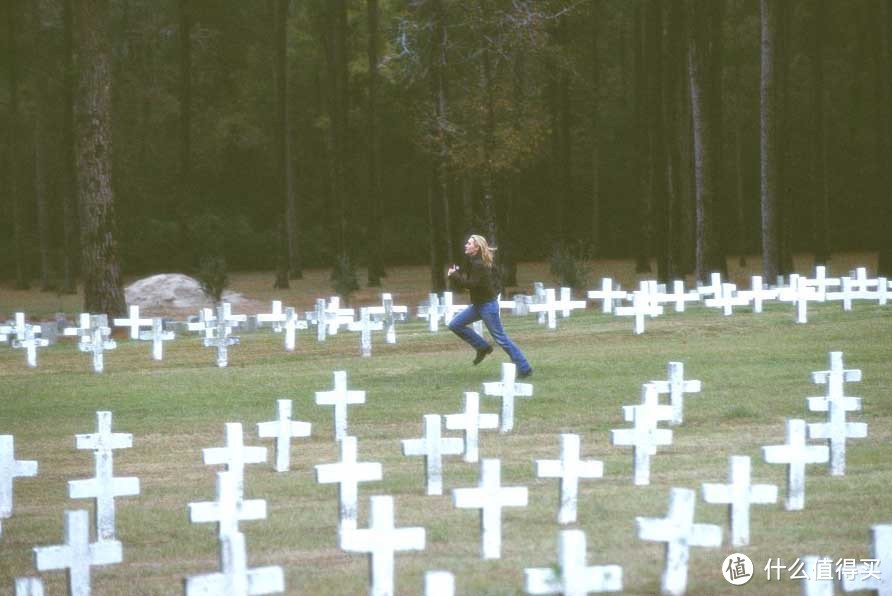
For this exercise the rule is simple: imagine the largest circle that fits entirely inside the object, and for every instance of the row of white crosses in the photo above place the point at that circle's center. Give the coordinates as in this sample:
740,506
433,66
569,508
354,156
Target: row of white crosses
77,555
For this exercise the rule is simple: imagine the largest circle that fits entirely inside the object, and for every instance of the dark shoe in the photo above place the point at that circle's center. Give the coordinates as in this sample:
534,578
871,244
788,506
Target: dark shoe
481,354
525,374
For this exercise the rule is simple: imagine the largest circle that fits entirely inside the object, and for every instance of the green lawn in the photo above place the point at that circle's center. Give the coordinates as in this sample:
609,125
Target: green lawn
755,369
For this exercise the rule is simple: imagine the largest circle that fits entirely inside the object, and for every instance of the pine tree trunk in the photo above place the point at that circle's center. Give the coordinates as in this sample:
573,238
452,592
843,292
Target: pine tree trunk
784,180
42,144
594,235
768,142
706,259
488,147
719,208
674,94
658,181
70,210
644,246
820,190
884,261
103,292
375,265
280,128
185,64
19,223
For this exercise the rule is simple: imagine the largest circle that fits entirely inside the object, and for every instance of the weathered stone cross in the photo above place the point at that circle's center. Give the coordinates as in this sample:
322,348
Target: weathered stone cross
572,576
382,540
490,497
796,454
340,398
234,456
676,386
228,510
739,494
365,326
283,429
97,342
157,336
10,469
644,437
507,389
836,430
433,447
679,532
880,552
472,422
569,468
235,578
77,555
348,473
607,294
104,487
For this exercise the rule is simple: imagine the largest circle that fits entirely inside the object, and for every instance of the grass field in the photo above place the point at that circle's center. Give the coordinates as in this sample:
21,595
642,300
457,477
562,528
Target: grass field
755,371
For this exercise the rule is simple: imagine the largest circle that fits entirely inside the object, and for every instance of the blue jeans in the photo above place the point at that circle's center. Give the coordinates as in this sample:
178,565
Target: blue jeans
489,312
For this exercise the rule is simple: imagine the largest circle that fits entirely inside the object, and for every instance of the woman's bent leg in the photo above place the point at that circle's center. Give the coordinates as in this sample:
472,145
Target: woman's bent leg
459,326
489,312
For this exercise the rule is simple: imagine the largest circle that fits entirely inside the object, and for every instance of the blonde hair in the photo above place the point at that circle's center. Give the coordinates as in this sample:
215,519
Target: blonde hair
485,249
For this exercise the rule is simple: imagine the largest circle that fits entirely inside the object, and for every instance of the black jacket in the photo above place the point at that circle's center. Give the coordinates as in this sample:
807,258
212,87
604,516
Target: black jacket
479,279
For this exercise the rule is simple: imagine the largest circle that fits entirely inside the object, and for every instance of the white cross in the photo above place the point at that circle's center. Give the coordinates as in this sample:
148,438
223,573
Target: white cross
490,497
82,331
206,323
649,401
472,422
234,456
5,330
276,317
30,342
10,469
222,334
880,550
796,454
97,342
882,293
739,494
28,586
432,312
679,532
714,288
641,305
760,293
439,583
77,555
728,299
800,293
645,437
340,398
228,510
365,326
836,430
567,303
283,429
507,389
818,579
318,318
678,297
382,540
572,576
236,579
676,386
104,487
291,325
134,322
348,473
335,316
433,447
569,468
549,308
607,294
389,314
821,282
157,336
22,326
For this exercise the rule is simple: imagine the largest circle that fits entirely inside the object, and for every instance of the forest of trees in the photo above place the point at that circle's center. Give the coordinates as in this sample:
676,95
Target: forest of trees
143,136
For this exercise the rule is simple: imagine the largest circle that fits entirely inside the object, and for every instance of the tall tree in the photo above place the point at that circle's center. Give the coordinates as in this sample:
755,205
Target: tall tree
643,163
103,292
884,265
655,106
594,235
782,57
42,140
820,190
70,210
716,100
19,221
336,12
184,38
707,257
768,144
280,133
375,264
674,88
438,194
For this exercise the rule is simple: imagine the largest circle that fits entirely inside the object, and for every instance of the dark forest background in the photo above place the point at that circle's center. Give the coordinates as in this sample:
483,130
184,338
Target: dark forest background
143,136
